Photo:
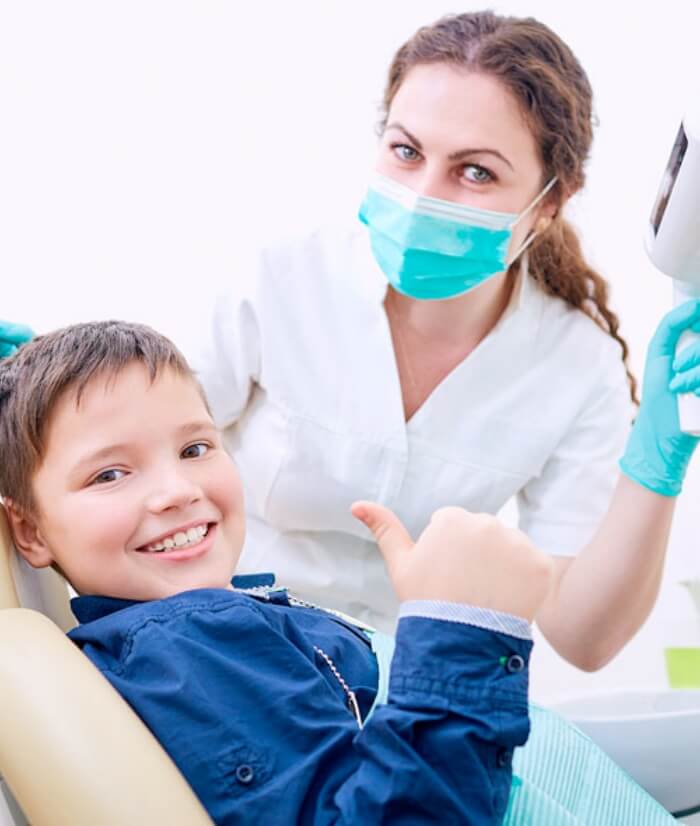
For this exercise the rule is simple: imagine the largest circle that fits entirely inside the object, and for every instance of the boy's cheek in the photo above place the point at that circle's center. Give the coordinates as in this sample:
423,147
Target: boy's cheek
98,524
225,487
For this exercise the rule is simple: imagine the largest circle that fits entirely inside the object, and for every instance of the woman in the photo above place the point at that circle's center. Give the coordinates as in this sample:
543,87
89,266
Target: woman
489,366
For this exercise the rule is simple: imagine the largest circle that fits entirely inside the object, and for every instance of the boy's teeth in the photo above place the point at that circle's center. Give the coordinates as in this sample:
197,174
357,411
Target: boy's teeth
180,539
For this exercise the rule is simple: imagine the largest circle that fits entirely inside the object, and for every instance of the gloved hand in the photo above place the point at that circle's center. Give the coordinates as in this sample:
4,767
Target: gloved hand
11,336
657,452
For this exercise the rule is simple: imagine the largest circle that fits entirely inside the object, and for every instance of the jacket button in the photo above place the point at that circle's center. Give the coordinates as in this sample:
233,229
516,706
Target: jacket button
515,663
245,774
503,758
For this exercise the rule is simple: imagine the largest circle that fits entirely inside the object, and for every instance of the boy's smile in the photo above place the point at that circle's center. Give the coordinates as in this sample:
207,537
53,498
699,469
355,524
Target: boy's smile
176,543
136,496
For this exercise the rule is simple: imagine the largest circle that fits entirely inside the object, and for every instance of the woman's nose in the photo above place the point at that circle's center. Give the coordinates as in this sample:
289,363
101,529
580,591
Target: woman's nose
432,182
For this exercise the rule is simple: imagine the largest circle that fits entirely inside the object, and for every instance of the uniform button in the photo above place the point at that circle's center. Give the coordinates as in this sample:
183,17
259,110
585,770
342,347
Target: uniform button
515,663
503,758
245,774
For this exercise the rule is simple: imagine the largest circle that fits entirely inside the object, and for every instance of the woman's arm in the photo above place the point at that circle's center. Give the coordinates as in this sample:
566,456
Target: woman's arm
601,598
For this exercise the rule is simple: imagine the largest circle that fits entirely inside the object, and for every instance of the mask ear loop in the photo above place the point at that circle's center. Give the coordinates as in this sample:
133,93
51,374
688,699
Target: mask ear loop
533,233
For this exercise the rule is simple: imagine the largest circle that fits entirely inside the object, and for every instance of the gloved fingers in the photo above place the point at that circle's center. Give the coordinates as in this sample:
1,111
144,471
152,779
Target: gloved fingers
15,333
672,325
6,349
688,357
687,381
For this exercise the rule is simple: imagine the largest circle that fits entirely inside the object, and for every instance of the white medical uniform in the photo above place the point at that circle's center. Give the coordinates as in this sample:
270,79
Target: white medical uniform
301,371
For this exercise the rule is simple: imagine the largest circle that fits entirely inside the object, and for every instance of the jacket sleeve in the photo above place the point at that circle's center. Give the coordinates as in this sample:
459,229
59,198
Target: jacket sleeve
440,750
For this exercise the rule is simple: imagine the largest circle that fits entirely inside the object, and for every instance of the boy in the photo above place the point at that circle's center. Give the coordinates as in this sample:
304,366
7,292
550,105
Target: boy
113,472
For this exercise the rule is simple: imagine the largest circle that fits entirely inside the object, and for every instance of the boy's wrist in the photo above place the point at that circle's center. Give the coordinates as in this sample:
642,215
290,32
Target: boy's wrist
460,612
456,661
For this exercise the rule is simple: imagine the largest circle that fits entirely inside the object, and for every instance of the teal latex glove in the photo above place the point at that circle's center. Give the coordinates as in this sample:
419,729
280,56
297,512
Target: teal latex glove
11,336
657,452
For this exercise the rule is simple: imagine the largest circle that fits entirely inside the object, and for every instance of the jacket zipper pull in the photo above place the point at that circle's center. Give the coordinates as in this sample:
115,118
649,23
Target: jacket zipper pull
354,706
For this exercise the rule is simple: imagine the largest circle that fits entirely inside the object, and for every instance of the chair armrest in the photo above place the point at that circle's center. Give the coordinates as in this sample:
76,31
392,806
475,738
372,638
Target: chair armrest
71,749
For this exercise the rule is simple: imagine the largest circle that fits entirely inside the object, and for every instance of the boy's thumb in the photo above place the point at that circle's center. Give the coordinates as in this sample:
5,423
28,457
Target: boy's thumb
387,528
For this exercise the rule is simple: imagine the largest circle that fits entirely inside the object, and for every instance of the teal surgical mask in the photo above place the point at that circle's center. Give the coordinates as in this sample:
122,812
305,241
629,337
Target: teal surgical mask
433,249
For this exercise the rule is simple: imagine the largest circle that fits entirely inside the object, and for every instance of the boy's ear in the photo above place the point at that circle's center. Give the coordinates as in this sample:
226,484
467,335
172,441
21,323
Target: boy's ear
27,536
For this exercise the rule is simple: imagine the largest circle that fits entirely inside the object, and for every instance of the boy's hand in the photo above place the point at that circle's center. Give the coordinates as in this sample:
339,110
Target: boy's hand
461,557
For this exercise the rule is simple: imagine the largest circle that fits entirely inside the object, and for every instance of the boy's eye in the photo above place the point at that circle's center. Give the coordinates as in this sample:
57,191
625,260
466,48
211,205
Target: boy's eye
105,476
476,174
404,152
195,450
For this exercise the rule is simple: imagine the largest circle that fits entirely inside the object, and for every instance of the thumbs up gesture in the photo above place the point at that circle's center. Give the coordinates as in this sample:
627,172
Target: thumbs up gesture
461,557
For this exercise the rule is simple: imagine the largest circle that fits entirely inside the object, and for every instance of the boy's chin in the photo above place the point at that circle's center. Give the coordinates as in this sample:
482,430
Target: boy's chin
214,584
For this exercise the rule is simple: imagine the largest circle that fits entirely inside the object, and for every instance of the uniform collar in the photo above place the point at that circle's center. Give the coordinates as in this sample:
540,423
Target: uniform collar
524,292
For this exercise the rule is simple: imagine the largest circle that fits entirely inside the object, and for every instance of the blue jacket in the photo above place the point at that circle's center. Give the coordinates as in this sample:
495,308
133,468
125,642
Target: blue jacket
254,717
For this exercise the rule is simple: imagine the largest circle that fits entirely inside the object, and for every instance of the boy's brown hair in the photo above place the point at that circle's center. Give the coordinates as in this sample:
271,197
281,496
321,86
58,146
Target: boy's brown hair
42,371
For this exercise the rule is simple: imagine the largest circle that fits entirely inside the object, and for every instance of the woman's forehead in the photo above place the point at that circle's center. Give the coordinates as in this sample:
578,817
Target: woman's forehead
453,109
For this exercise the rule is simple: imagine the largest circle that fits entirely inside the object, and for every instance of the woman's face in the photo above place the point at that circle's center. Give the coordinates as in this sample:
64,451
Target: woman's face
460,136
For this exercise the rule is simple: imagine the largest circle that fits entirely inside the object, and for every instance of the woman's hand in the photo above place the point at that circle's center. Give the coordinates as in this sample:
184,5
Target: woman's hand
12,336
658,452
461,557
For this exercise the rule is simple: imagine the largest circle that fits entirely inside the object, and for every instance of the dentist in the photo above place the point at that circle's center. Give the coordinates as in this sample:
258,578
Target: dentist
453,348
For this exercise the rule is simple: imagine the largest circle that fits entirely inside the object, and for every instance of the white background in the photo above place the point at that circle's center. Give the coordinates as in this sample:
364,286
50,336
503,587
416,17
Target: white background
144,144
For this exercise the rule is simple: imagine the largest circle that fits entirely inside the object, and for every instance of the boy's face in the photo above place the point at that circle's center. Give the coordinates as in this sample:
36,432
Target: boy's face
136,497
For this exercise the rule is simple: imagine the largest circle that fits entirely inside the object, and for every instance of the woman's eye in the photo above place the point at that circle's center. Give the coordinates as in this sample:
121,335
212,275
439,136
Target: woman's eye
476,174
106,476
404,152
195,451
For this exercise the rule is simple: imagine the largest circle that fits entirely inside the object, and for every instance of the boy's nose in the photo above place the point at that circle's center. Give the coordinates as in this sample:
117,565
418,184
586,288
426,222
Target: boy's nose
174,492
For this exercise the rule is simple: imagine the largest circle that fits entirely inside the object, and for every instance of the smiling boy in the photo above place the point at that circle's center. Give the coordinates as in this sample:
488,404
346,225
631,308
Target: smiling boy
113,472
109,498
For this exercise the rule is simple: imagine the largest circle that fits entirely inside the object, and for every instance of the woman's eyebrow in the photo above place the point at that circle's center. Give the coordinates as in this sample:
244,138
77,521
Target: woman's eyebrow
460,155
414,140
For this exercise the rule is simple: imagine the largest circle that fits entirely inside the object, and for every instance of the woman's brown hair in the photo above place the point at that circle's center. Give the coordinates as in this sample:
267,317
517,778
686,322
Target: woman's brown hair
547,80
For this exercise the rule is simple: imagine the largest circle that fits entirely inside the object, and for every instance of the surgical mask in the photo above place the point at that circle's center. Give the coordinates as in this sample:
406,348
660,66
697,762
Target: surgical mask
433,249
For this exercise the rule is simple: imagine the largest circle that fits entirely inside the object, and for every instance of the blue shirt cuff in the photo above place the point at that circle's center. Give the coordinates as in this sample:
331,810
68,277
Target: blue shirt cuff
469,615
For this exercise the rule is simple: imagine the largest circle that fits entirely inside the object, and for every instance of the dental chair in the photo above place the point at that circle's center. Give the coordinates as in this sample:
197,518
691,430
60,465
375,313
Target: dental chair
72,752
